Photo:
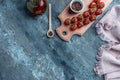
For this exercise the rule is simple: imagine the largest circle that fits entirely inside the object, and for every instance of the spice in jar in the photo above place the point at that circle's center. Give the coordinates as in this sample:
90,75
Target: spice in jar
50,33
77,6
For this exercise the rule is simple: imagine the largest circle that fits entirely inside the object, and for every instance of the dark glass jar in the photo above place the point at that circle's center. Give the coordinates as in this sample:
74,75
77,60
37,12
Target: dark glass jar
36,7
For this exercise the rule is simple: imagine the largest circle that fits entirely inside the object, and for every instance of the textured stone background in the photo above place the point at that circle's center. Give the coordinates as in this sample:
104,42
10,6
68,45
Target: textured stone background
27,54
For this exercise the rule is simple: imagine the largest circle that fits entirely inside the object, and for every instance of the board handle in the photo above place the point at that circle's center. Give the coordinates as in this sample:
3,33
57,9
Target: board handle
63,33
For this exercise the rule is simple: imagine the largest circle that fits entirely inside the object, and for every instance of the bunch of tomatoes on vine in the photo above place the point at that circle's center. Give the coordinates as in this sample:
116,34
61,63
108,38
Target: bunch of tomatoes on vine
94,10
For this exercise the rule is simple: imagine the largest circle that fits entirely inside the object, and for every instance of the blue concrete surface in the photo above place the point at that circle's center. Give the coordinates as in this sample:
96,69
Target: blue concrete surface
27,54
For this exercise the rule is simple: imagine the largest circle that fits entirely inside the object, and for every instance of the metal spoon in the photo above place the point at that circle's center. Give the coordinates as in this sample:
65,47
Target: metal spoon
50,32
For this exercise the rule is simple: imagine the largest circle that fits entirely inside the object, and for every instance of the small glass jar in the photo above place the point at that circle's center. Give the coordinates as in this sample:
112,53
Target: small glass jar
36,7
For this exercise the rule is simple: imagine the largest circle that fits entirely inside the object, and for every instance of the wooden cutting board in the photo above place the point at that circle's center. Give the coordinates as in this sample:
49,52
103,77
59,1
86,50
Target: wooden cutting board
64,32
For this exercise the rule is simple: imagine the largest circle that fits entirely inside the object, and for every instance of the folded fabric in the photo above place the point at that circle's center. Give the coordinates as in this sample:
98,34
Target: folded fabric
108,27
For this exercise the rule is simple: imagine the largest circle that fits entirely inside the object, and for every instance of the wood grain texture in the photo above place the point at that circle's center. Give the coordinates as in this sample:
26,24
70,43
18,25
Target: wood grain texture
66,14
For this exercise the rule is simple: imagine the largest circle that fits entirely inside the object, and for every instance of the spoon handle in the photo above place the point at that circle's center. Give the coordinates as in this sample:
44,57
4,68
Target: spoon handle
50,15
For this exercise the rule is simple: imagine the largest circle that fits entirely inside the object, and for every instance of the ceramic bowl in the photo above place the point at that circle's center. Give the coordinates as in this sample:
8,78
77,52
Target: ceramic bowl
76,11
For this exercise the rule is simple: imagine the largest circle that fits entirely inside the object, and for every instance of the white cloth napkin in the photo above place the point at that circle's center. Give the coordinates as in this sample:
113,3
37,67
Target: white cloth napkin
108,27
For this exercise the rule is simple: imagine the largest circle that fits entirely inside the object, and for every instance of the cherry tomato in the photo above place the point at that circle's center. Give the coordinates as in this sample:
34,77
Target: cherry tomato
79,24
73,27
97,1
92,4
73,20
92,18
98,12
67,21
80,17
100,5
86,21
86,14
92,10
